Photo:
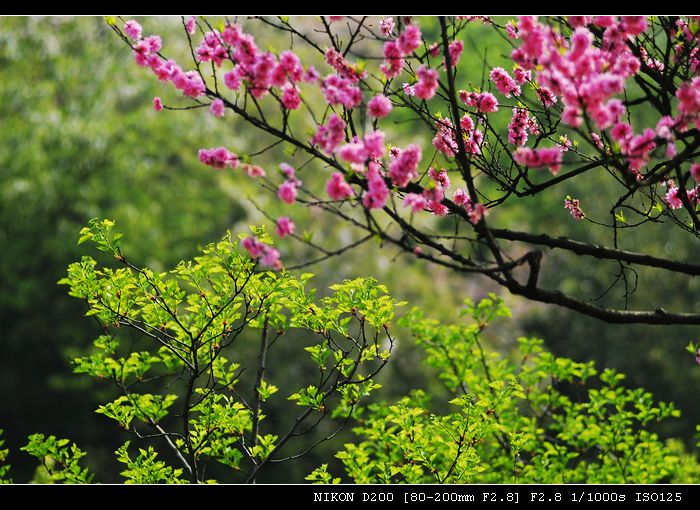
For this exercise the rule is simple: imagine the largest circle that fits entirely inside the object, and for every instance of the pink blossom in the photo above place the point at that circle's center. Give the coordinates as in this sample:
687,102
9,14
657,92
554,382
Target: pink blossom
232,79
695,172
386,26
328,137
504,83
693,195
606,114
440,177
189,83
288,171
379,106
219,157
634,25
604,21
477,213
191,25
547,97
256,249
146,48
581,41
521,75
467,123
337,188
639,148
157,104
571,116
217,108
511,30
437,208
409,90
688,95
354,152
484,102
597,140
455,48
427,82
415,201
461,198
233,35
377,193
287,192
517,129
474,212
290,97
133,29
445,138
472,145
579,21
347,71
534,37
672,198
409,40
697,356
254,171
311,75
550,157
600,87
164,70
339,90
290,66
284,226
260,75
574,207
622,133
393,60
253,246
211,48
404,167
374,144
271,258
532,126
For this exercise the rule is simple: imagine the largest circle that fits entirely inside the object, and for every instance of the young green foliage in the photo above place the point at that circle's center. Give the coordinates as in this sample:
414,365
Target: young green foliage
59,457
4,467
183,386
528,418
145,468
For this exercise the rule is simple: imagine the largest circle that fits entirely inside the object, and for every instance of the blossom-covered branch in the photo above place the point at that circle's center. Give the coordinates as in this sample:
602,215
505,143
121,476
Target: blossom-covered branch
614,97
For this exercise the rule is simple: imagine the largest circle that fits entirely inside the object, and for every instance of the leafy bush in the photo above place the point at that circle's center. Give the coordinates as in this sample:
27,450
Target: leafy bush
529,418
171,345
185,387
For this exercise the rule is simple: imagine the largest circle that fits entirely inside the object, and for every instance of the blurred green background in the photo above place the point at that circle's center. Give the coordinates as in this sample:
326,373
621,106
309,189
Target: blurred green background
79,139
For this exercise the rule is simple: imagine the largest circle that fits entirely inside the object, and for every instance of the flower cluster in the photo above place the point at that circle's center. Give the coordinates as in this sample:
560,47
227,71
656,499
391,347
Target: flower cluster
484,102
519,126
220,157
379,106
550,157
395,51
268,256
572,76
404,167
330,135
445,140
574,207
337,188
504,83
287,192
